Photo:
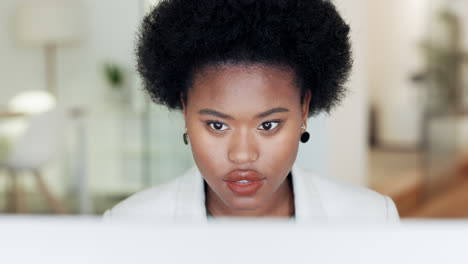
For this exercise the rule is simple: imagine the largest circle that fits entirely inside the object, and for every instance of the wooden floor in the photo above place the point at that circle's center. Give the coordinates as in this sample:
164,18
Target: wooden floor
452,203
413,195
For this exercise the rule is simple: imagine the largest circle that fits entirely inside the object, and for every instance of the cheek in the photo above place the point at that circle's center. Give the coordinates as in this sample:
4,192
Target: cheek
208,151
279,152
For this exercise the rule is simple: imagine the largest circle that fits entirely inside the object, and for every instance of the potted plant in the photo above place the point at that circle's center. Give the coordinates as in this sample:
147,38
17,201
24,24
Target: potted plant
116,80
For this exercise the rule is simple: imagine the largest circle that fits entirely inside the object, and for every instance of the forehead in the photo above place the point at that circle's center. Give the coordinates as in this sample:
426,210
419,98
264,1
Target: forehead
238,87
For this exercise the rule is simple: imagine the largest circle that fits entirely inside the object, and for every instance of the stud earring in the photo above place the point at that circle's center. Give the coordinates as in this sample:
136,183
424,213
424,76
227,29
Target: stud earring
185,137
305,136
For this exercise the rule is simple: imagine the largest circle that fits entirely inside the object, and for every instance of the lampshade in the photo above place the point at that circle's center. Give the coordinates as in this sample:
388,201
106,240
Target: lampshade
49,22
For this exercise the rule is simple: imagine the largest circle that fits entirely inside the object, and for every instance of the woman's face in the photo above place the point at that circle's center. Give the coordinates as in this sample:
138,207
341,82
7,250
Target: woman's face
244,125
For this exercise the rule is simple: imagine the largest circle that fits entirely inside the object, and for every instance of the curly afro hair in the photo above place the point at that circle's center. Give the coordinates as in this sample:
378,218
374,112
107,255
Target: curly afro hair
180,37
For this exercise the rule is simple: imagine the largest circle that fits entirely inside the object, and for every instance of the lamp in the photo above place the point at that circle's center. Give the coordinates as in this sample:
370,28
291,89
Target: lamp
48,24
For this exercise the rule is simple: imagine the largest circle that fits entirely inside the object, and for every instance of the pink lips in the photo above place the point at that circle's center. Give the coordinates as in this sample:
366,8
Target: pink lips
244,182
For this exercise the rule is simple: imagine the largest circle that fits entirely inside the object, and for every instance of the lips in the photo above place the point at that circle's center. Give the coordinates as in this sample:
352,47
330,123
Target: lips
244,182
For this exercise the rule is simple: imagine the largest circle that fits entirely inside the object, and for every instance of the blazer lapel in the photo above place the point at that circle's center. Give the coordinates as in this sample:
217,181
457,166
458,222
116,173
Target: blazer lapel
190,198
308,206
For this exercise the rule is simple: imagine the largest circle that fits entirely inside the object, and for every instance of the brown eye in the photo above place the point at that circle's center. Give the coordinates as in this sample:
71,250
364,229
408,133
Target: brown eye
269,125
217,126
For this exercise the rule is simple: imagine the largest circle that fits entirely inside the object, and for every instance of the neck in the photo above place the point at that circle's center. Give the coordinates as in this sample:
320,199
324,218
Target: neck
280,206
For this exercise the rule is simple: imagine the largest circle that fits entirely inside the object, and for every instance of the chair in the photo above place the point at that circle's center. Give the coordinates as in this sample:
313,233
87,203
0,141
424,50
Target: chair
39,145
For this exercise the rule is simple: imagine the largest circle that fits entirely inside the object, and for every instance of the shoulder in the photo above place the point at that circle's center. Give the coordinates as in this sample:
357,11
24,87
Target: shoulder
343,201
153,203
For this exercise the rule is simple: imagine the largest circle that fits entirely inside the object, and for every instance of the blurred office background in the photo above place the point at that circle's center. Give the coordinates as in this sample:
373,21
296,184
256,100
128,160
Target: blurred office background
78,134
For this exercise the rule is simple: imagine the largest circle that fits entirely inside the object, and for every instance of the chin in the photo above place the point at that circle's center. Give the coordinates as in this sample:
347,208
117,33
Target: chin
244,203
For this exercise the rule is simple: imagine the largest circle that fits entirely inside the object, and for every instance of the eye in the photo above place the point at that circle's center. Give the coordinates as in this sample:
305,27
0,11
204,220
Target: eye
217,126
270,125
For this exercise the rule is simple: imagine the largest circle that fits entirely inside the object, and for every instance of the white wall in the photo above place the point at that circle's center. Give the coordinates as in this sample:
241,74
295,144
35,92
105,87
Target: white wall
396,31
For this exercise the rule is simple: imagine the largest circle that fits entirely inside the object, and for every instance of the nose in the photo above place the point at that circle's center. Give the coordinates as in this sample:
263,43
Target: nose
242,148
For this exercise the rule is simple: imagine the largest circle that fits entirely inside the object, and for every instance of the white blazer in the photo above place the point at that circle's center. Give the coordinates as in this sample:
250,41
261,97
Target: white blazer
316,199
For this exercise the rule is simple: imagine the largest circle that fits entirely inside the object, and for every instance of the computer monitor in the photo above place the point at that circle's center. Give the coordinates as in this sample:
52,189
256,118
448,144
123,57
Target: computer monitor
88,240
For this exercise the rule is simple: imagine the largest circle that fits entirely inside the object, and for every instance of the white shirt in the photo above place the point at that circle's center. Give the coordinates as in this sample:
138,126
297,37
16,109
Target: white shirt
316,199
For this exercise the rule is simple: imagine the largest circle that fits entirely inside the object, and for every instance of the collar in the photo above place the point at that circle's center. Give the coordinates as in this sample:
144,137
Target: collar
190,199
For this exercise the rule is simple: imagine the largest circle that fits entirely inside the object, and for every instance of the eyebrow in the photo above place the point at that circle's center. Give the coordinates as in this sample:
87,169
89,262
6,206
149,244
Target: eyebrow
226,116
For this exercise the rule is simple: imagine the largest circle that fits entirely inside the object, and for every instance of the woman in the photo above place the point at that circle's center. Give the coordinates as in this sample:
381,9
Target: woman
247,74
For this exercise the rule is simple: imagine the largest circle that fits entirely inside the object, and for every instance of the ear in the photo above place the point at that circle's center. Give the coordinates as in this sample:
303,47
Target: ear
305,107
